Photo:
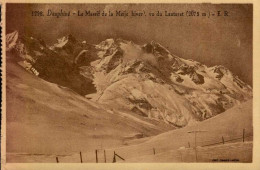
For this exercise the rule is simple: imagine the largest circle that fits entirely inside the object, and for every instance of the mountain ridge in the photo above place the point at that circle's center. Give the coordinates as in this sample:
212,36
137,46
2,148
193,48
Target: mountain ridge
148,80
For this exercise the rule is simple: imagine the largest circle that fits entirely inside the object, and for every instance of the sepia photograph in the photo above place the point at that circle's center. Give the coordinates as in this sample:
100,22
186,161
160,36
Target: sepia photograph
129,83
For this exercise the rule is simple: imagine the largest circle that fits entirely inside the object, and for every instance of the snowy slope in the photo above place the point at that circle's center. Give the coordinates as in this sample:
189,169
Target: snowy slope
229,125
50,119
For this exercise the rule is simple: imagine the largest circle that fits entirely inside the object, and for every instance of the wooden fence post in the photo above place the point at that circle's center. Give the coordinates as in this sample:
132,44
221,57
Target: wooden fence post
57,159
223,141
96,156
153,151
244,131
105,156
80,157
114,158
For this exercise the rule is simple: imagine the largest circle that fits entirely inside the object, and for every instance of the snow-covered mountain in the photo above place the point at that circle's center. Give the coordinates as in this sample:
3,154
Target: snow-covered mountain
56,64
148,80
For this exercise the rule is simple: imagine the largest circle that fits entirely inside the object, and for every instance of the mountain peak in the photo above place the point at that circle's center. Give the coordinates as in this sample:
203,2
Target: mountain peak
63,41
11,40
156,48
106,44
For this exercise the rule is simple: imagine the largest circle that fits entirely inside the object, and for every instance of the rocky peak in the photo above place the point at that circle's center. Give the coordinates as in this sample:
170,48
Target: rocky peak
11,40
104,45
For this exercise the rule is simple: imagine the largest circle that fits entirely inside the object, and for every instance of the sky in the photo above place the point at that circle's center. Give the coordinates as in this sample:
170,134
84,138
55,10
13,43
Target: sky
215,40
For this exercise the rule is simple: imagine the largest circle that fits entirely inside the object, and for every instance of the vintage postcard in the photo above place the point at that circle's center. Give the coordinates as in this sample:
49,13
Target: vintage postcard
122,83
